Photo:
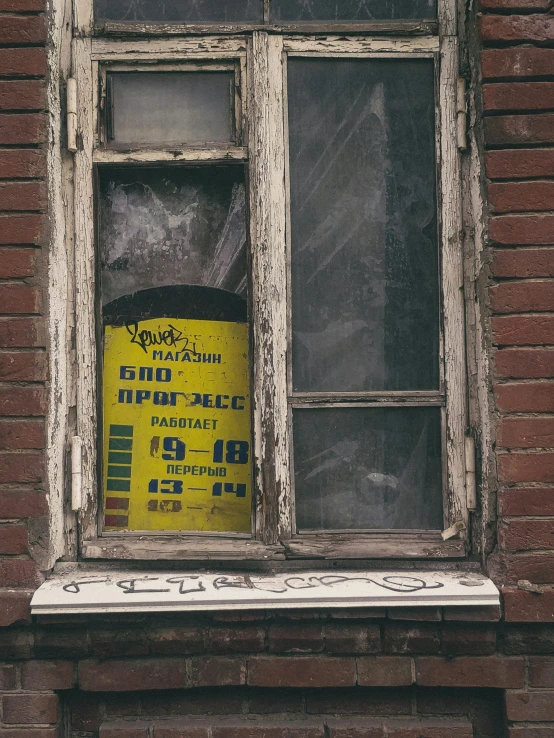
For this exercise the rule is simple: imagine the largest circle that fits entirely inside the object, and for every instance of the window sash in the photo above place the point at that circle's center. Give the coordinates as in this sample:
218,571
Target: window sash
265,78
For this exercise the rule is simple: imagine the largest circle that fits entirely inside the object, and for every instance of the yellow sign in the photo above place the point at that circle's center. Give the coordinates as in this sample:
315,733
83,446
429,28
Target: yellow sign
177,426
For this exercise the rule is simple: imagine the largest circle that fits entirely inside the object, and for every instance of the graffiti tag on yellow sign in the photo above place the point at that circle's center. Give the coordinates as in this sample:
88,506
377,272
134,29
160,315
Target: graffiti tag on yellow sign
177,426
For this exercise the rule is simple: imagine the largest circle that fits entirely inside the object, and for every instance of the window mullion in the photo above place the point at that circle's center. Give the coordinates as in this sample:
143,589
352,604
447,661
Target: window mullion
268,301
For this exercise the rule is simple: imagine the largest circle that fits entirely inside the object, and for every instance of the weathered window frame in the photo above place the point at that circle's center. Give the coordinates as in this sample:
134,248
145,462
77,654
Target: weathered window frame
261,55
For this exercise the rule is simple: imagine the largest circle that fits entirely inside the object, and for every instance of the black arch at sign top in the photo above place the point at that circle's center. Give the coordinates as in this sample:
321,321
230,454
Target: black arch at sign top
190,302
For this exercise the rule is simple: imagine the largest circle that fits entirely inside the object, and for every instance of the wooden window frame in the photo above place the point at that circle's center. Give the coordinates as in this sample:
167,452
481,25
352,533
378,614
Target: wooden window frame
261,57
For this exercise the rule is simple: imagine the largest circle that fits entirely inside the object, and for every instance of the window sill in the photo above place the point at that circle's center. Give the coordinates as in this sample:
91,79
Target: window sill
75,589
315,546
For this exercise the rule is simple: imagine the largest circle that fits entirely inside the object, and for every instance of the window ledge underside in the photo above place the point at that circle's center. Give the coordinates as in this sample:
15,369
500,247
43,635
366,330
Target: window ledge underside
72,590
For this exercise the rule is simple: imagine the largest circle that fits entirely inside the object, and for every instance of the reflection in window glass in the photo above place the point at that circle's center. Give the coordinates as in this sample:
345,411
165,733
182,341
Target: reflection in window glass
180,11
365,288
171,108
172,226
368,468
351,10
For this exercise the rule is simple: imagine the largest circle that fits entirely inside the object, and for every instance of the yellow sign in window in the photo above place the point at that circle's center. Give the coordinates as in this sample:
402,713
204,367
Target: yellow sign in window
177,446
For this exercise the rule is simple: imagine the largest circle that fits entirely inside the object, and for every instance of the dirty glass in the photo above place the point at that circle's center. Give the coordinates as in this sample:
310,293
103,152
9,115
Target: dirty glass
172,226
351,10
365,290
171,108
180,11
368,468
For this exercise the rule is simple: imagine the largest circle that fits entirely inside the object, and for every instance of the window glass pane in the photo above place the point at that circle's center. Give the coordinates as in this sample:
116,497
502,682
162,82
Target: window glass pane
171,108
175,363
368,468
365,288
351,10
180,11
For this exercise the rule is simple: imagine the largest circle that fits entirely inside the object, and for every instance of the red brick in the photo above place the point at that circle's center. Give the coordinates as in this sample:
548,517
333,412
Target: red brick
470,671
19,298
22,504
124,729
518,731
241,639
525,262
15,607
528,607
16,229
541,671
17,263
217,671
522,229
23,195
355,728
306,638
522,535
13,539
524,363
7,677
22,401
68,643
519,129
404,638
22,5
176,641
537,568
22,128
512,197
484,614
428,729
17,29
21,468
518,96
527,501
258,729
349,638
523,330
23,62
28,366
537,397
41,675
518,62
22,332
522,297
429,614
514,5
531,706
30,708
384,671
169,729
520,163
526,432
526,467
301,671
18,573
359,701
22,95
111,642
460,639
18,163
131,675
539,27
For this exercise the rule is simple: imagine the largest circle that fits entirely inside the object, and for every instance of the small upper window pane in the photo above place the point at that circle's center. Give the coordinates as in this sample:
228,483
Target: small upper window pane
165,108
180,11
352,10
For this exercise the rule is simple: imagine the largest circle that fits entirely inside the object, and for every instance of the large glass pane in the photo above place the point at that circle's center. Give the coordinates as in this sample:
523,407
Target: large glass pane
175,362
171,108
351,10
180,11
368,468
365,289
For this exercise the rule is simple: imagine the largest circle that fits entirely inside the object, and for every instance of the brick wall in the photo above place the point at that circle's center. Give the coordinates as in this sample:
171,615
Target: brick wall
428,673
